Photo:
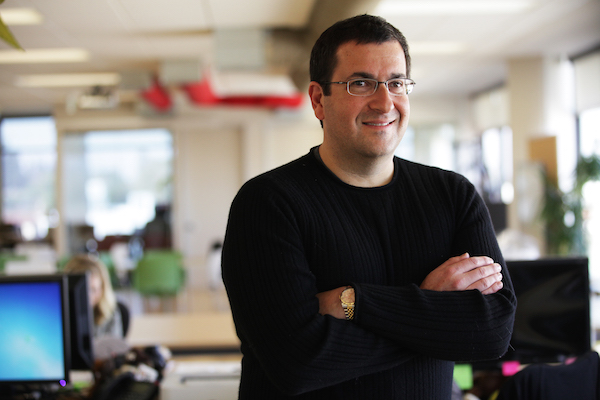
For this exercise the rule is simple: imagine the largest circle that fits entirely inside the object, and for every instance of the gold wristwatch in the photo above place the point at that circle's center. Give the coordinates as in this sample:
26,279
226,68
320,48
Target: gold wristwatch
347,299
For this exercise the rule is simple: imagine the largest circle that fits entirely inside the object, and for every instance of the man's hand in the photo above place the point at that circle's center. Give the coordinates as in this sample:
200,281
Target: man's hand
465,273
330,304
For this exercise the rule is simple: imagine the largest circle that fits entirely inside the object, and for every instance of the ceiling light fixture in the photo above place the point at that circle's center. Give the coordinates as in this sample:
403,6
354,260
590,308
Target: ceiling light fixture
98,98
21,16
35,56
68,80
436,7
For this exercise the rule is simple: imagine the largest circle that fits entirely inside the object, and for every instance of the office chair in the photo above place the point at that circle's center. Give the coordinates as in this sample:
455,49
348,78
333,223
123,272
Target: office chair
159,273
578,380
124,317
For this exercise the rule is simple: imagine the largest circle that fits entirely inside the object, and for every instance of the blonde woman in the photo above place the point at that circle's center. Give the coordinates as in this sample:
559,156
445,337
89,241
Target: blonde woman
107,317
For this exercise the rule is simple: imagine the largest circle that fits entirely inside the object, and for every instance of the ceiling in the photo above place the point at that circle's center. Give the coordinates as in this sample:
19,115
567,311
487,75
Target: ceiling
454,54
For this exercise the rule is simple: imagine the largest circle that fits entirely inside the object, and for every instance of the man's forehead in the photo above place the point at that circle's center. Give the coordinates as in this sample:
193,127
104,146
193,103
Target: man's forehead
351,56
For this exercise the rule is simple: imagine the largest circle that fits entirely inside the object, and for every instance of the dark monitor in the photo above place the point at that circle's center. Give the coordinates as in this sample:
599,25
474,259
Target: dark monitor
34,330
552,321
81,321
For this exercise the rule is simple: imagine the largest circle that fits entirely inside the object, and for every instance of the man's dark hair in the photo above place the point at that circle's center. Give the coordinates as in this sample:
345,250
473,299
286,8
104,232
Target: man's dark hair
362,29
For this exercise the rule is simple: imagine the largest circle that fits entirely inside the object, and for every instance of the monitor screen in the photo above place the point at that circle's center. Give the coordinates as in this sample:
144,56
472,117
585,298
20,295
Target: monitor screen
34,330
552,321
81,321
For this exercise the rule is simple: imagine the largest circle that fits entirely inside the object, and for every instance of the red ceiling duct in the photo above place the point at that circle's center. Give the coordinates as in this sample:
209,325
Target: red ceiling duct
158,97
201,93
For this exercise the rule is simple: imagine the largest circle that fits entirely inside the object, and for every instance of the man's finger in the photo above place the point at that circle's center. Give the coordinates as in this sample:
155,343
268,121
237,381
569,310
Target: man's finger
494,288
486,282
480,261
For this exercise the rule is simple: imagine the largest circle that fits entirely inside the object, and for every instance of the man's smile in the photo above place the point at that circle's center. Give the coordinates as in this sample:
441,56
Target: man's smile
378,123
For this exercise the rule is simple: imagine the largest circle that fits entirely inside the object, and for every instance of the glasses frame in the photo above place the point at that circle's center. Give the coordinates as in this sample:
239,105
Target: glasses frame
408,83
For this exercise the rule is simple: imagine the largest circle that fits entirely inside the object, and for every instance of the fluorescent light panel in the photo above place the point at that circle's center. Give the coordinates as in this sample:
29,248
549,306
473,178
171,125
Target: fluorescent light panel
35,56
456,7
21,16
68,80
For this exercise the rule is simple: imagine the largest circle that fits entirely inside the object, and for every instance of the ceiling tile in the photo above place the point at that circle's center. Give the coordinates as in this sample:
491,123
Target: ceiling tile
160,15
261,13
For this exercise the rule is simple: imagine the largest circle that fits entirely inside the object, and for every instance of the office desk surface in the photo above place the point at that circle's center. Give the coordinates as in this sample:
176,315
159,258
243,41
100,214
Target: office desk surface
185,331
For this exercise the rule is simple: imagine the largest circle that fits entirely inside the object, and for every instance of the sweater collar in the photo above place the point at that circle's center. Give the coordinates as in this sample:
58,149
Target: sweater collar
315,152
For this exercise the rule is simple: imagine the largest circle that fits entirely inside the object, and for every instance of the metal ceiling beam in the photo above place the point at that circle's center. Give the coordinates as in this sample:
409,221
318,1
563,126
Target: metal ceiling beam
324,14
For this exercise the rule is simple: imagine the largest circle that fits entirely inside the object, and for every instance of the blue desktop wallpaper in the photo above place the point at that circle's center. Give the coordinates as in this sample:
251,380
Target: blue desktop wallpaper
31,332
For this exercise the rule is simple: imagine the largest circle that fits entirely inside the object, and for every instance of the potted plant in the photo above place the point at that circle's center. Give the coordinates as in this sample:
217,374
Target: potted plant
563,213
6,35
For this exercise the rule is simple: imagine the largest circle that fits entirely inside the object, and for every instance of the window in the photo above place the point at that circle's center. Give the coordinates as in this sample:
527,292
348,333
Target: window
589,137
496,148
429,144
28,174
587,91
113,181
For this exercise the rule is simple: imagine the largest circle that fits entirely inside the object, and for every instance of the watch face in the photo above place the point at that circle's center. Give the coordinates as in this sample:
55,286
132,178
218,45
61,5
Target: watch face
347,296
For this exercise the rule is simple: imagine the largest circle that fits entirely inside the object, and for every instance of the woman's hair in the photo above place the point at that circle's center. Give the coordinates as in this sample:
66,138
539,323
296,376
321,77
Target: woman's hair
362,29
108,302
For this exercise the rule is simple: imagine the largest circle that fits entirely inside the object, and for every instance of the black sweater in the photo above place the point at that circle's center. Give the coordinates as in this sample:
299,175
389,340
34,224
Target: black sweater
299,230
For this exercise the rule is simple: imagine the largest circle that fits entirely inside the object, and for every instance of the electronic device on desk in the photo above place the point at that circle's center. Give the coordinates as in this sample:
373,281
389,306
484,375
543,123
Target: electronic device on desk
34,339
552,321
81,321
202,380
125,387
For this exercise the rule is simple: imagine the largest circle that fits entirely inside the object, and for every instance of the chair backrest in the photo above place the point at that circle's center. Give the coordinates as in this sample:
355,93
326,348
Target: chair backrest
578,380
124,317
160,273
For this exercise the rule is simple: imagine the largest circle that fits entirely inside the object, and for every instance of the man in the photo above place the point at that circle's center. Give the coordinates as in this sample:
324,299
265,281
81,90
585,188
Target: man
351,273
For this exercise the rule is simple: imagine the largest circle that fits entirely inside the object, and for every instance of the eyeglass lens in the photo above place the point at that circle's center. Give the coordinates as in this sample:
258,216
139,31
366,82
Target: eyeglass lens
366,87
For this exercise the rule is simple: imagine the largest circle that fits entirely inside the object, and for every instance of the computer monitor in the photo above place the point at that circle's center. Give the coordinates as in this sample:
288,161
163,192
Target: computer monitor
81,321
34,330
552,321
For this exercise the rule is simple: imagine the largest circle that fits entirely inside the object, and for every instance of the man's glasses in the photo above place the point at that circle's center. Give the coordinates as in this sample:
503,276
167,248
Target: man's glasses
367,86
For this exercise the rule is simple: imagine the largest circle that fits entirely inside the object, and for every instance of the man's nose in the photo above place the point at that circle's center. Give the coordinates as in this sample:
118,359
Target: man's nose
382,100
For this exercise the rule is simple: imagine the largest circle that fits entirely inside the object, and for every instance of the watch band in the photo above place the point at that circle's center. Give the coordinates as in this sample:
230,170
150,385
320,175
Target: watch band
348,304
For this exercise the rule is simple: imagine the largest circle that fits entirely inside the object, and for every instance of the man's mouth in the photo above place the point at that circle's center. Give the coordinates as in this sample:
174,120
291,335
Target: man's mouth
378,123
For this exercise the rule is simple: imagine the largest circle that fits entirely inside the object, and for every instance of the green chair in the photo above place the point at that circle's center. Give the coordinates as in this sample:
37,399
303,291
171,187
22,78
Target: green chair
62,261
9,256
159,273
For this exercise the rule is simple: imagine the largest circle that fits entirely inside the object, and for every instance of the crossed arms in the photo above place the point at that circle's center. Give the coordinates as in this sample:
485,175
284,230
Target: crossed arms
457,273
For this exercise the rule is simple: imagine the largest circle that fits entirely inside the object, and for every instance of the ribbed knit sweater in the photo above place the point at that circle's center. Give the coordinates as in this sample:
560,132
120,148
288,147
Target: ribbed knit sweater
299,230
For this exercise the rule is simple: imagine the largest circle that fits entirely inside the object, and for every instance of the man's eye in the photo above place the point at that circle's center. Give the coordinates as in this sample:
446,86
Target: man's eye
396,84
360,83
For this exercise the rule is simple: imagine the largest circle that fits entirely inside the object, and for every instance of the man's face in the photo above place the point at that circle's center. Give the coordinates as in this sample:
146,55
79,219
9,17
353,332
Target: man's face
370,126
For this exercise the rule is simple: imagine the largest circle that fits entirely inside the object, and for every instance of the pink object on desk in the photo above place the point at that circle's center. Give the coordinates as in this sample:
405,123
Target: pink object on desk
509,368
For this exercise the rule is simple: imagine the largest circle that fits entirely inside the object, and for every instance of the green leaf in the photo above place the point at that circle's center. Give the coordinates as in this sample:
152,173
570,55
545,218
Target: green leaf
6,35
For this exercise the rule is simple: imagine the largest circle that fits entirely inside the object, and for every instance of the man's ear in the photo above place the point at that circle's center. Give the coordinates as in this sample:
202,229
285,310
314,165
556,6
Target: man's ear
315,92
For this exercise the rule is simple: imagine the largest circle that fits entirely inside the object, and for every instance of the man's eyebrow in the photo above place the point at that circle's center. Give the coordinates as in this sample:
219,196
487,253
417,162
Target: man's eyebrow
371,76
361,75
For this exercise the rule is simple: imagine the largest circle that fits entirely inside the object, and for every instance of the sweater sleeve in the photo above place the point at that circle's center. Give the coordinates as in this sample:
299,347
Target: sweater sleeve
272,295
458,325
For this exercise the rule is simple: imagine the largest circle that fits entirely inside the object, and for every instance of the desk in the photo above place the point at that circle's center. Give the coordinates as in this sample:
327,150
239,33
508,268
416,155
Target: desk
185,332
